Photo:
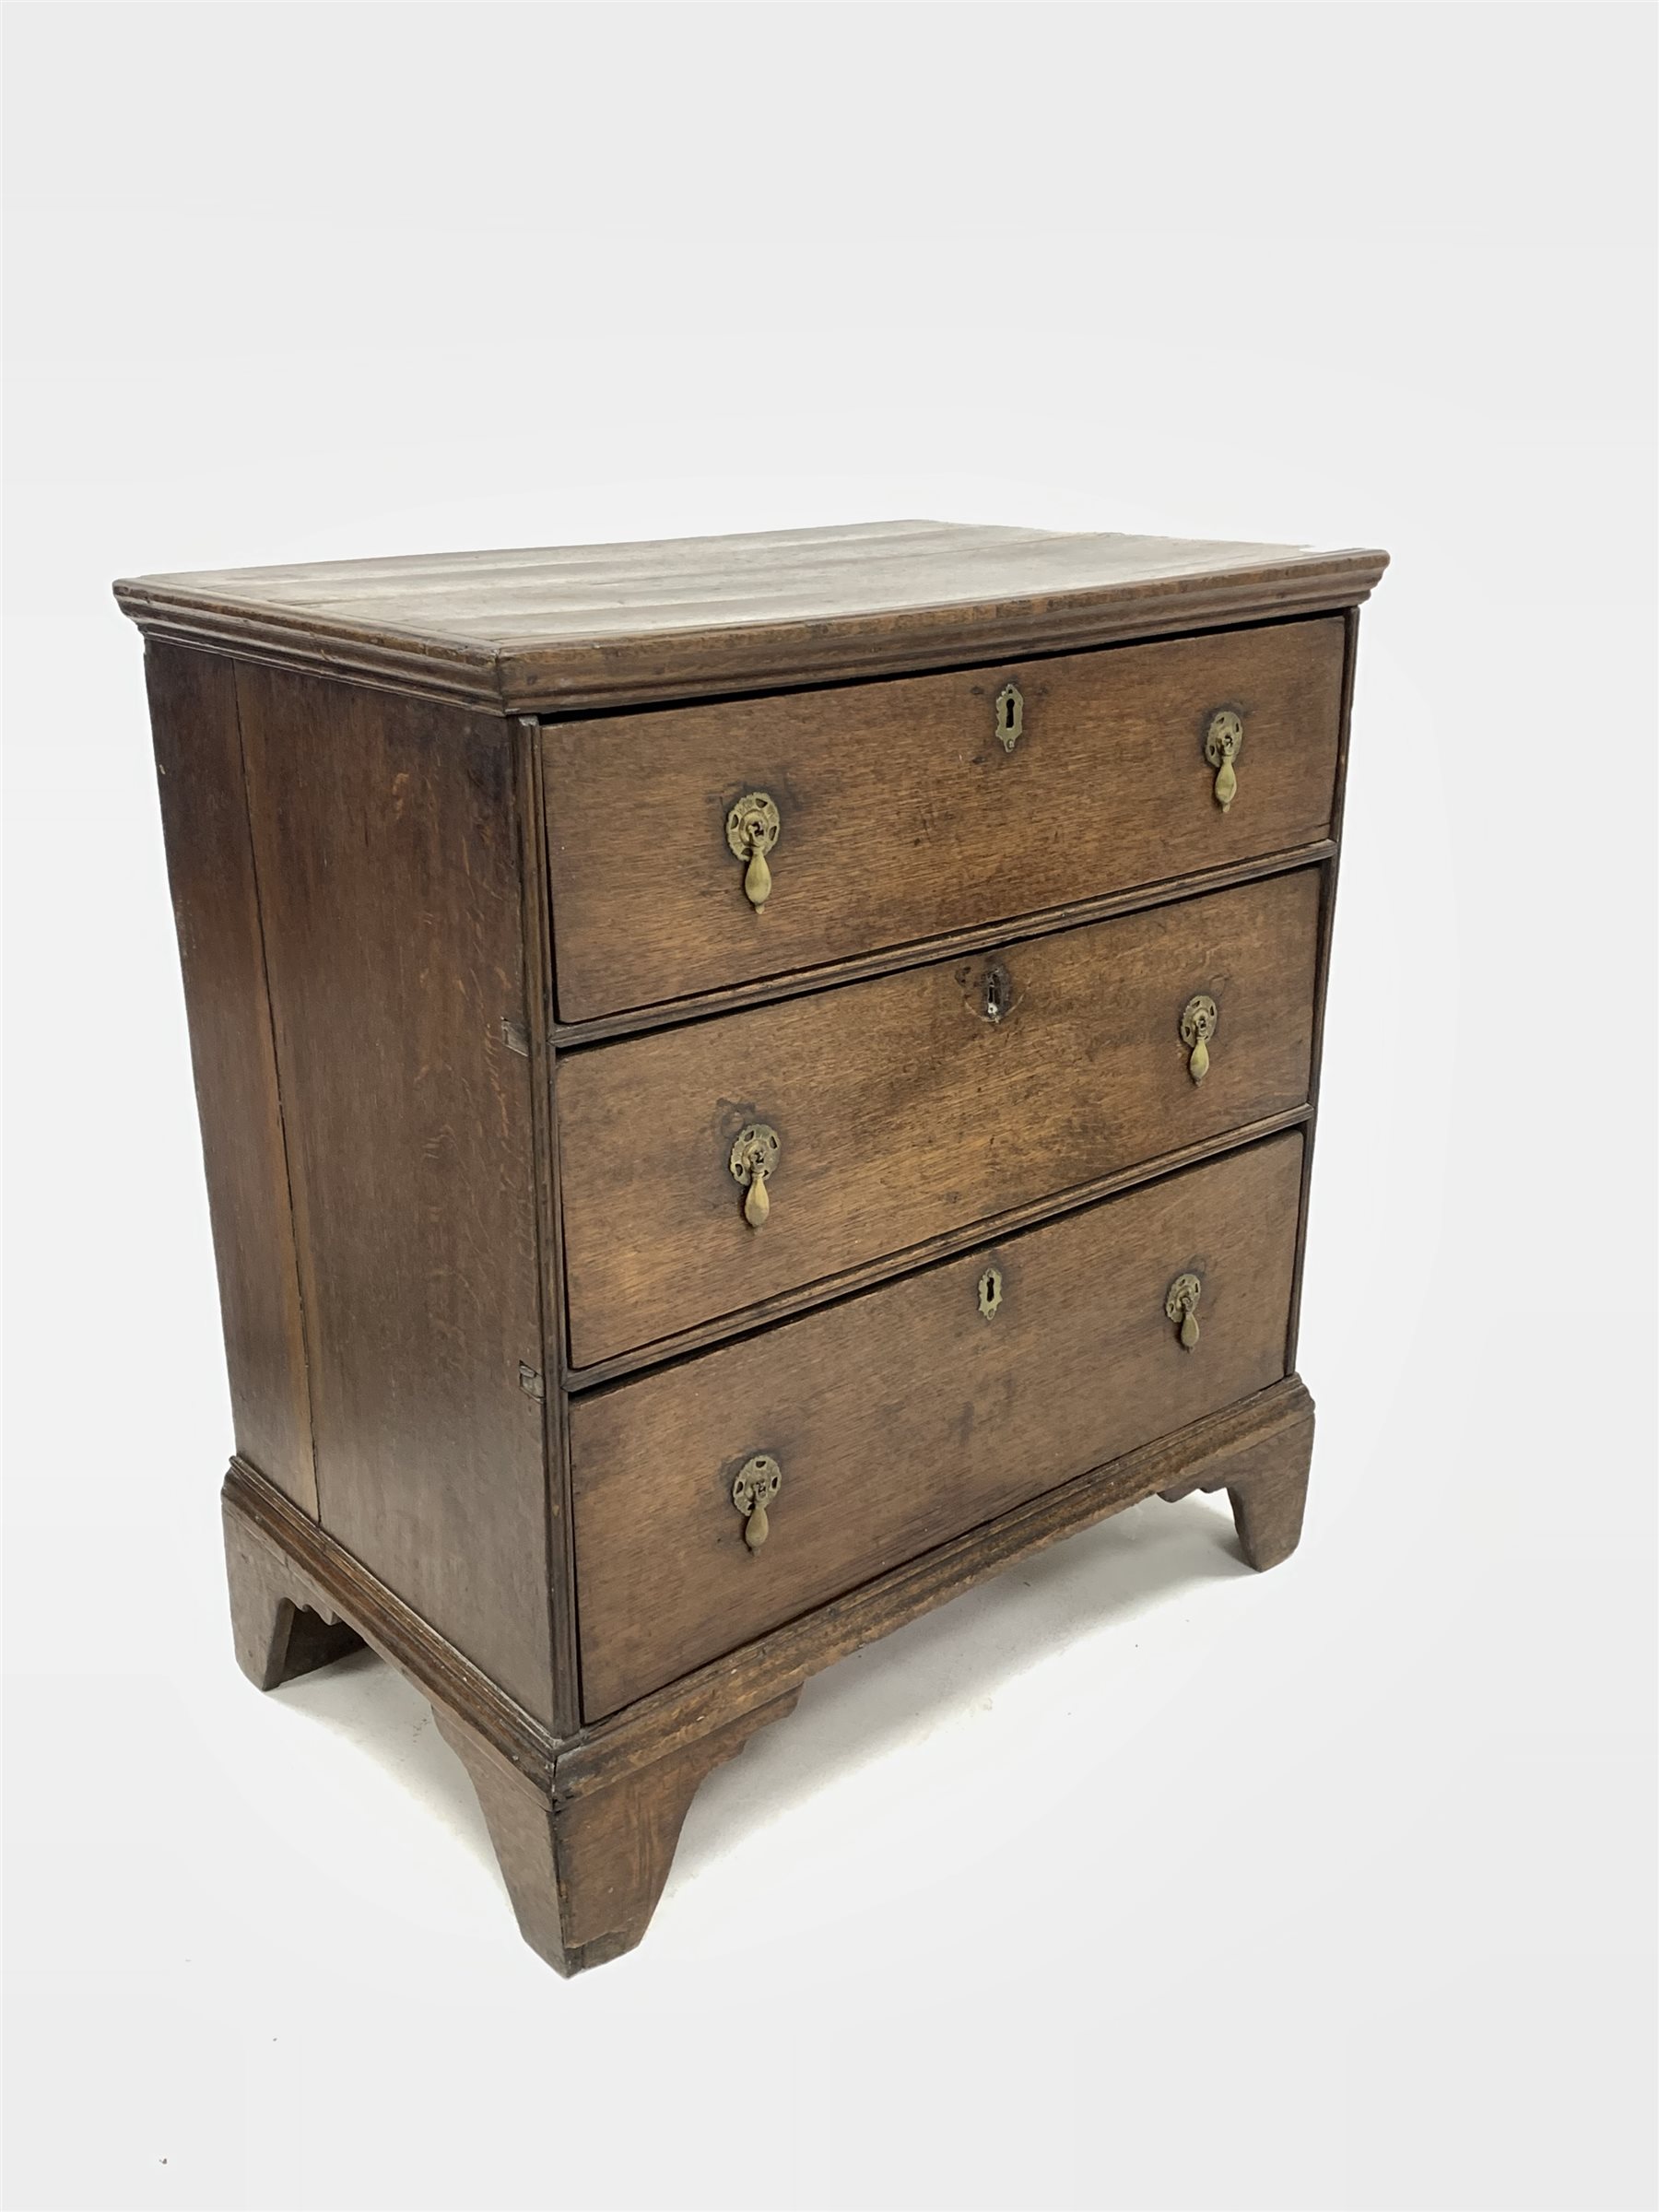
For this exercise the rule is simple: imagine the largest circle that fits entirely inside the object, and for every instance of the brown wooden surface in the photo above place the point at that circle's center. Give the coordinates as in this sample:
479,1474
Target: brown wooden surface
538,1005
280,1627
747,1679
390,906
584,1876
1321,983
320,1574
902,1416
1268,1501
568,627
905,1112
387,848
788,1303
902,817
585,1831
953,944
1266,1485
216,907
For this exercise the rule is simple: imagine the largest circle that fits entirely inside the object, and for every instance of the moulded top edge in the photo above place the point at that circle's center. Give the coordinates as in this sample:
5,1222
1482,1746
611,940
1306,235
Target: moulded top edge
563,628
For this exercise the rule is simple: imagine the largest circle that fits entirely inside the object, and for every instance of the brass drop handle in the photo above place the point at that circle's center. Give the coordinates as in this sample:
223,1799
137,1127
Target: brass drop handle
752,829
1224,741
1198,1020
754,1161
756,1483
1182,1307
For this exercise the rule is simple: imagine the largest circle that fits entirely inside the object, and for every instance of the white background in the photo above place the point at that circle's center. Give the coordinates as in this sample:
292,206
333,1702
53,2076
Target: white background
1133,1880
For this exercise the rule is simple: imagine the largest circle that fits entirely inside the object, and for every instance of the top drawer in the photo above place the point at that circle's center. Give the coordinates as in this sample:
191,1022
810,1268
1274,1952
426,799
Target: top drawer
910,808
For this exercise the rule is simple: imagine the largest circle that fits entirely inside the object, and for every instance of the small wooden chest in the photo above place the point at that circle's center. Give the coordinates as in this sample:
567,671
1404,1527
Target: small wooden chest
745,1085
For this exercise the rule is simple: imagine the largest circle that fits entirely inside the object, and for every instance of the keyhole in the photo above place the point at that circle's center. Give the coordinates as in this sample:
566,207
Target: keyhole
1009,717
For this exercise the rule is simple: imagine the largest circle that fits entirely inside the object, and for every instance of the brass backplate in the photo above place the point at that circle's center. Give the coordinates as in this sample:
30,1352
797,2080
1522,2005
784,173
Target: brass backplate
752,825
1184,1295
756,1145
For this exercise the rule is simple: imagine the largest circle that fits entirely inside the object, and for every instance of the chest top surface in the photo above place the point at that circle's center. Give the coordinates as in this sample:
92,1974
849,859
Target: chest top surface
568,629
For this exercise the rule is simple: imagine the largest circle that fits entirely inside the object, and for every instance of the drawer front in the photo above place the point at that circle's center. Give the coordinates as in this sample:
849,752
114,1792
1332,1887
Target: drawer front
901,1418
902,813
919,1103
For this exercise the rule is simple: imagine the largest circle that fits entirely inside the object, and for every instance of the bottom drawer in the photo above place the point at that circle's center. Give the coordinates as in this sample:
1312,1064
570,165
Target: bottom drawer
902,1417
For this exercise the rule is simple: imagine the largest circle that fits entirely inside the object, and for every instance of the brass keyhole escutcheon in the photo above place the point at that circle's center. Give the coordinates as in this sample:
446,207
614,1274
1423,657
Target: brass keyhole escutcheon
754,1163
1182,1307
756,1483
989,1292
752,829
1224,741
998,993
1010,716
1198,1020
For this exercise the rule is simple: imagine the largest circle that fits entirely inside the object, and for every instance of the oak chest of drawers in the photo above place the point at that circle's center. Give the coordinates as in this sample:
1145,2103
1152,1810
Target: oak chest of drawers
745,1085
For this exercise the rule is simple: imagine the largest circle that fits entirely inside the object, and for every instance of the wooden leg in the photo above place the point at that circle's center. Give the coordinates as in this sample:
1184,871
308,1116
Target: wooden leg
584,1874
1268,1510
282,1626
1266,1485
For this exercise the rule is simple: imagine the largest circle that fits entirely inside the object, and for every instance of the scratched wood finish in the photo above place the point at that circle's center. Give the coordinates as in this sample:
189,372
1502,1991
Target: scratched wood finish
216,908
903,816
564,628
388,854
902,1417
904,1112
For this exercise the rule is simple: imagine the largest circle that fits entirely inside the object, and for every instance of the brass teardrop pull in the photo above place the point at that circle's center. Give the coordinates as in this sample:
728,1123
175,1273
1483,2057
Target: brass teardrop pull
753,1162
1224,741
756,1204
1181,1306
1198,1020
752,829
756,1483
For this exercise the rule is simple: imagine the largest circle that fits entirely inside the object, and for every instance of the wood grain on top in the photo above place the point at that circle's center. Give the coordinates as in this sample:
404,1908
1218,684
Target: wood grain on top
564,629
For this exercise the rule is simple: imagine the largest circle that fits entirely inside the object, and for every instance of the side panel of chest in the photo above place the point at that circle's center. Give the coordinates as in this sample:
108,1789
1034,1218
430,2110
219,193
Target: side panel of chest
221,951
385,837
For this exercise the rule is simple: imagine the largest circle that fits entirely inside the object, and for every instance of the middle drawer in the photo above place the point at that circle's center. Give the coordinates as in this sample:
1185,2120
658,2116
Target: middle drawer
888,1112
